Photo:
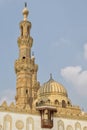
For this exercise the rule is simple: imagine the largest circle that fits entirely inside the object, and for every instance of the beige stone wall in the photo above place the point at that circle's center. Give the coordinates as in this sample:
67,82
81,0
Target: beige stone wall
17,121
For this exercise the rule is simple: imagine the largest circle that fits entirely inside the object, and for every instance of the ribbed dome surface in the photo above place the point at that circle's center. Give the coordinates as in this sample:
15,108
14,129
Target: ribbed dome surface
52,87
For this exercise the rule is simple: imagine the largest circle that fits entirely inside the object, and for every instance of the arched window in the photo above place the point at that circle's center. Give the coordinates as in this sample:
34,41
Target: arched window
56,102
77,126
41,102
60,125
30,124
36,103
7,122
69,128
48,101
68,103
21,30
28,30
63,104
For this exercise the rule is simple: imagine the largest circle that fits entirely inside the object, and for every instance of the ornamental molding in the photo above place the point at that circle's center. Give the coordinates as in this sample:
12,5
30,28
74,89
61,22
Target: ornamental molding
69,113
25,41
19,124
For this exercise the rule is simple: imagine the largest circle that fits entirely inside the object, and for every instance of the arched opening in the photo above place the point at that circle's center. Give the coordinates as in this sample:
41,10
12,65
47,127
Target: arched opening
28,31
69,127
77,126
30,124
68,103
26,91
48,101
21,30
41,102
60,125
7,122
36,103
63,103
56,102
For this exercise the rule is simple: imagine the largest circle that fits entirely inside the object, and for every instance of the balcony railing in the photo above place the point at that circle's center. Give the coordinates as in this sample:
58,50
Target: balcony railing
46,123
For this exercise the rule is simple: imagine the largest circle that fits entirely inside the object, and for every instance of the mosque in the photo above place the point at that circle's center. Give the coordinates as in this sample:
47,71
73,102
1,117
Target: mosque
38,107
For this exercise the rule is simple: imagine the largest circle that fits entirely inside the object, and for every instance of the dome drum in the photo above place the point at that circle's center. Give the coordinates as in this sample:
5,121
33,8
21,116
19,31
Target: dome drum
53,93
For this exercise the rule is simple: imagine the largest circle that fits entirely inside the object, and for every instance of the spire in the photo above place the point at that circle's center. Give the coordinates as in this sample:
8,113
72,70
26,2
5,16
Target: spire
25,4
51,76
32,53
25,12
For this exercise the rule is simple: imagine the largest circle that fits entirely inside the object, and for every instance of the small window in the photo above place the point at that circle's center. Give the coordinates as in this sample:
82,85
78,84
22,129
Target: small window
63,104
56,102
23,57
21,31
36,103
48,101
41,102
27,30
68,103
26,91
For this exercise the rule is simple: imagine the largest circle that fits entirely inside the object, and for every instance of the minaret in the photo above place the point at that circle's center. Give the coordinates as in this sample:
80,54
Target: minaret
25,67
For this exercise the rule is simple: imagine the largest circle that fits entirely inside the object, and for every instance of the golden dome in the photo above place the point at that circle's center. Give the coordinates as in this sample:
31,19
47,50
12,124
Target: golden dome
52,87
54,93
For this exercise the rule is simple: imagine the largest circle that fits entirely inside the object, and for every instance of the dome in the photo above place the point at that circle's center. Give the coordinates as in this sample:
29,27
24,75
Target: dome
54,93
52,87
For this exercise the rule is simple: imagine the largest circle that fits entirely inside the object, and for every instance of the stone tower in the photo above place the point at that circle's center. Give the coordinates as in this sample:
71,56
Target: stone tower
25,67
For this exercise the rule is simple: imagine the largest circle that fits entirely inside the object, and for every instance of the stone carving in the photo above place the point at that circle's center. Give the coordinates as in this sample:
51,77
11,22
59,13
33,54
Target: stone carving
19,124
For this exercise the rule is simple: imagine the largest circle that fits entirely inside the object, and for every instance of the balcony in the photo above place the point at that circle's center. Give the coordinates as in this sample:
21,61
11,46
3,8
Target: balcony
46,123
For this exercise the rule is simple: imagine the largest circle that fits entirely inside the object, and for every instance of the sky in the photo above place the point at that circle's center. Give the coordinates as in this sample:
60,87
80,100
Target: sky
59,30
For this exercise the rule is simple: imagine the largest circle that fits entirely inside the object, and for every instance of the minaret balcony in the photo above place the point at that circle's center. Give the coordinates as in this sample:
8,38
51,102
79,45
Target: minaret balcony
47,123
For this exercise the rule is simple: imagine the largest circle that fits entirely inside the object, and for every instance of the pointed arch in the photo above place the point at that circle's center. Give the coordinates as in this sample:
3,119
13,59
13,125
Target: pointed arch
7,122
56,102
60,125
63,103
77,126
69,127
30,124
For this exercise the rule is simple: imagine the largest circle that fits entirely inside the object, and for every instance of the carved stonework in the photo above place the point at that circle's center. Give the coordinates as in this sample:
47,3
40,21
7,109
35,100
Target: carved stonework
69,127
8,120
25,67
19,125
29,121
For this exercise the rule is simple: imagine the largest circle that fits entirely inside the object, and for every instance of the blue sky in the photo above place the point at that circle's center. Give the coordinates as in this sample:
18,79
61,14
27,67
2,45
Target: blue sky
59,30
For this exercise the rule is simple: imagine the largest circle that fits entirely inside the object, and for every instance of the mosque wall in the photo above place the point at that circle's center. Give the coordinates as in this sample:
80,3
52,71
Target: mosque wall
17,121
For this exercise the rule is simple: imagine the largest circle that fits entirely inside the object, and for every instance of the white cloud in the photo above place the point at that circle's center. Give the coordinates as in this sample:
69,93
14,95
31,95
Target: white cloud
62,42
77,77
85,51
8,96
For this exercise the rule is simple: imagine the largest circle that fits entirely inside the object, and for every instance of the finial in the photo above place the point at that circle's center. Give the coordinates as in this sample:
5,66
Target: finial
32,53
25,4
25,12
51,76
